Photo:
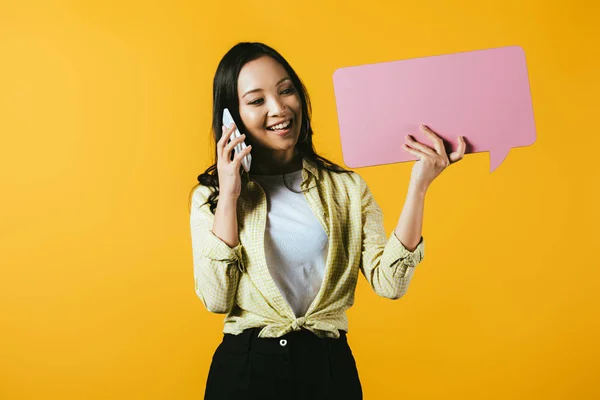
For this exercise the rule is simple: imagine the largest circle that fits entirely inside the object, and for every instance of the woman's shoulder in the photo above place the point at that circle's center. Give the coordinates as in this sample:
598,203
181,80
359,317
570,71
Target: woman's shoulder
202,191
200,194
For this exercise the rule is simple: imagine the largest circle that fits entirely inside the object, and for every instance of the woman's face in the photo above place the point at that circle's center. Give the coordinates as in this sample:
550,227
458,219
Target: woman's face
267,97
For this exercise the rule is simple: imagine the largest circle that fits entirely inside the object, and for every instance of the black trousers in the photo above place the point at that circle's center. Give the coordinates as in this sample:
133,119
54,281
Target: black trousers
296,366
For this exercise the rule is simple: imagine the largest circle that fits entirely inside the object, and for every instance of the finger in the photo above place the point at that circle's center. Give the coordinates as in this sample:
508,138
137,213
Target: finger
438,143
226,133
243,153
460,150
420,146
220,141
224,138
237,159
414,152
231,145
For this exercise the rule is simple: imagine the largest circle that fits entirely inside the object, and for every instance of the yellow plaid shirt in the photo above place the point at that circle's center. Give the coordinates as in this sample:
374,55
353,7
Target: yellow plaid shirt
236,281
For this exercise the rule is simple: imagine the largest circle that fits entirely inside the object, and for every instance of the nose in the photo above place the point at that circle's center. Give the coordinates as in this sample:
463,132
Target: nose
277,107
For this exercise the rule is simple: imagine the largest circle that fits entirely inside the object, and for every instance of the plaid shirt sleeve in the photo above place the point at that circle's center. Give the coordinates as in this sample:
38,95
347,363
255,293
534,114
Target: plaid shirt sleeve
387,265
217,267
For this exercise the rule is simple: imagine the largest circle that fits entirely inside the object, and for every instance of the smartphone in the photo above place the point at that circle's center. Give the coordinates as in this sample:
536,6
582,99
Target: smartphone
227,121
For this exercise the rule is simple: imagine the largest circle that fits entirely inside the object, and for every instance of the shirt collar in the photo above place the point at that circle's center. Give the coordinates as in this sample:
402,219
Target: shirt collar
311,167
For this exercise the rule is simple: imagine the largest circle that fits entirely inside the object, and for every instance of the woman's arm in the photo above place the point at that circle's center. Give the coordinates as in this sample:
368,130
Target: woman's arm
389,266
386,263
410,224
225,224
432,161
216,251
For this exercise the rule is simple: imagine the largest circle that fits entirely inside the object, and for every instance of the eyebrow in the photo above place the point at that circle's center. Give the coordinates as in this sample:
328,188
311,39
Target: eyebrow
257,90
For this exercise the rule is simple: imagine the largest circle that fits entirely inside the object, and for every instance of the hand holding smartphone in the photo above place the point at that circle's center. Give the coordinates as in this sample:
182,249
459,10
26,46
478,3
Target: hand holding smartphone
227,121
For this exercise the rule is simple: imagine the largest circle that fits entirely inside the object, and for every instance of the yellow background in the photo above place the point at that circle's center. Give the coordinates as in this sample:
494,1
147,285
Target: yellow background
105,114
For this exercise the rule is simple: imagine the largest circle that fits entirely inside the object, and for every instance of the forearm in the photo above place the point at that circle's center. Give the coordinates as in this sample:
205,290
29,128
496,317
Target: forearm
389,263
216,251
216,284
410,225
225,224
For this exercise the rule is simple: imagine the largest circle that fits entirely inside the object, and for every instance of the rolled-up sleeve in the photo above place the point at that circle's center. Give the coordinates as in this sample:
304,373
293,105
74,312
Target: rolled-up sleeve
217,267
386,263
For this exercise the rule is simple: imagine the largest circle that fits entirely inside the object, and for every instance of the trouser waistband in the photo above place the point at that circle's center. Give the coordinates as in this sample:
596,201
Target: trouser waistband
249,339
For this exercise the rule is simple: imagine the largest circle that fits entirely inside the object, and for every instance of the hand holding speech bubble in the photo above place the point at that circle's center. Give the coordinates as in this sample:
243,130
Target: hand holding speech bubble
482,95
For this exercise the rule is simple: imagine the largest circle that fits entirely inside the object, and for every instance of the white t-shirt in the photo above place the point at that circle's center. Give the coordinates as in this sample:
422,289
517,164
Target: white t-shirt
296,244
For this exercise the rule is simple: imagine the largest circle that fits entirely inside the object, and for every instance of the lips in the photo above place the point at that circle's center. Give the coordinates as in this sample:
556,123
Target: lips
281,122
283,132
289,123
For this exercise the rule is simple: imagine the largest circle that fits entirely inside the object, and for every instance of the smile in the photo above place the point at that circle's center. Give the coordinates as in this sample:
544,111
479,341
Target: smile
283,128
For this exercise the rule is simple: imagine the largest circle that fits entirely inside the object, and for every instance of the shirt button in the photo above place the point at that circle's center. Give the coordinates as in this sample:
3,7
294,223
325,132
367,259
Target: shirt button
283,342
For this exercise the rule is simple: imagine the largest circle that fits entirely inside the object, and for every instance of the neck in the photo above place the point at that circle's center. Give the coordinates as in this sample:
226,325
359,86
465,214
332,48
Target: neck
272,164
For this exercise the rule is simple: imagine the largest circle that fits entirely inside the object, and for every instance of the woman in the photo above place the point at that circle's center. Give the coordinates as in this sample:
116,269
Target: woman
278,249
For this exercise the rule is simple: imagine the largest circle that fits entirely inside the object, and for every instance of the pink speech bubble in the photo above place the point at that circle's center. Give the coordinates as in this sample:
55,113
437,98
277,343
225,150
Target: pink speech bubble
482,95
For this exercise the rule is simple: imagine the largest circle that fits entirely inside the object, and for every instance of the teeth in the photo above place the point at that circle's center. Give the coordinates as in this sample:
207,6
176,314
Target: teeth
281,126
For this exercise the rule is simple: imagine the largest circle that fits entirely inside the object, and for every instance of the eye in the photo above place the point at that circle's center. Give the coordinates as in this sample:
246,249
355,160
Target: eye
284,91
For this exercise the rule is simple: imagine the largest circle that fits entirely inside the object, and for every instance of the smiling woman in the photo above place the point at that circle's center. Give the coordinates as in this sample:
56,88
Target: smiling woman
278,249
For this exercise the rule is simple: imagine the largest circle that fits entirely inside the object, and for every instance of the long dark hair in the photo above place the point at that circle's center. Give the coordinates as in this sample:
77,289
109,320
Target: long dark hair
225,95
